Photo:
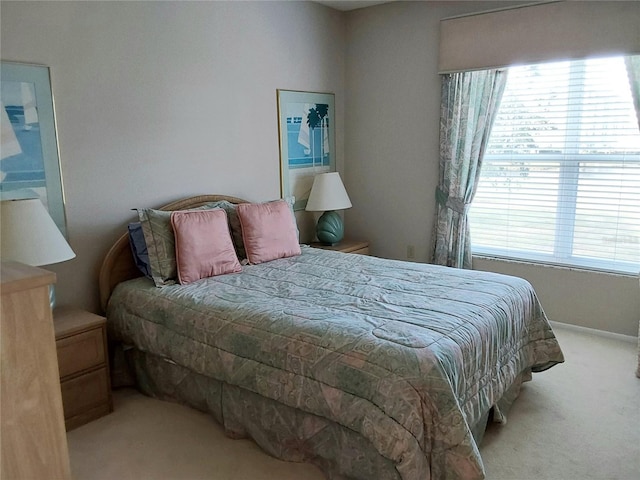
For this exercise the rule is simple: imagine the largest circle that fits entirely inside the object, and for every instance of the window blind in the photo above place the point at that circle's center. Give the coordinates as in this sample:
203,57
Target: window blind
560,181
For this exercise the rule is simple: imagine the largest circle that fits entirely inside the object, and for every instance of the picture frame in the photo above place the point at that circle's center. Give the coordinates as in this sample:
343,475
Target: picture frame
306,129
29,156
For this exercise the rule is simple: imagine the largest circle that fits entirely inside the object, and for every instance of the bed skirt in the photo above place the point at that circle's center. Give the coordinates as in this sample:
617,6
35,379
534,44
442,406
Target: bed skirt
282,431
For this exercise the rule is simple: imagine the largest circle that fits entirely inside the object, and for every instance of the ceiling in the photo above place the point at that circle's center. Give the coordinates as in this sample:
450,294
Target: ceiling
346,5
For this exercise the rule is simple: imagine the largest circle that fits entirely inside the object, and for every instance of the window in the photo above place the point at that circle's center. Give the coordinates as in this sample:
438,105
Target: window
560,180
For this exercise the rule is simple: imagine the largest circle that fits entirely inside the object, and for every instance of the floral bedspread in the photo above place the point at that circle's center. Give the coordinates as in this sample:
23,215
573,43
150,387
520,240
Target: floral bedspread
408,356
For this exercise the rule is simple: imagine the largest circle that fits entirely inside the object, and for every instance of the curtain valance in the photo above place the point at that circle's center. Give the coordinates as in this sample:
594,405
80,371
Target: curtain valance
539,33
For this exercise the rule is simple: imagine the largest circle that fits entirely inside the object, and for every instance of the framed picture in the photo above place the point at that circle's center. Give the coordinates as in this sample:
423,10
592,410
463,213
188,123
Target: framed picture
29,160
307,141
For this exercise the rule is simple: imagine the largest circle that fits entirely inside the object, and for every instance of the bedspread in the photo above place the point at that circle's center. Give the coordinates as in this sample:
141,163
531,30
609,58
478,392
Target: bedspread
408,356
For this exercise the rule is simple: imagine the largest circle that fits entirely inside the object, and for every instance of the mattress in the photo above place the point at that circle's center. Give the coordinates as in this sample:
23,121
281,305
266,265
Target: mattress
405,357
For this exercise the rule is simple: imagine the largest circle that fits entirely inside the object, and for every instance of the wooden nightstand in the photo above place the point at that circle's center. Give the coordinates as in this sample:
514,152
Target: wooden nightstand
81,342
346,246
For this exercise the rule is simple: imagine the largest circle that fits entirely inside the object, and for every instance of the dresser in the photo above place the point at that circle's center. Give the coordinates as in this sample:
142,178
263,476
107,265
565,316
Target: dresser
34,443
81,342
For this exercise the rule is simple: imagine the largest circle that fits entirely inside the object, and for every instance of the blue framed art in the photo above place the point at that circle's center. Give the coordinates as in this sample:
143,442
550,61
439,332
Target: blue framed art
306,126
29,159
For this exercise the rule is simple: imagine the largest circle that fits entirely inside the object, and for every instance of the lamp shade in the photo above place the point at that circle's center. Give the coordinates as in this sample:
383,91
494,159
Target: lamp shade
29,235
327,193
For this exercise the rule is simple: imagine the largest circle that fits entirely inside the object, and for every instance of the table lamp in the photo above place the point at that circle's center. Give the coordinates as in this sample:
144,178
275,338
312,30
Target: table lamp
328,195
29,235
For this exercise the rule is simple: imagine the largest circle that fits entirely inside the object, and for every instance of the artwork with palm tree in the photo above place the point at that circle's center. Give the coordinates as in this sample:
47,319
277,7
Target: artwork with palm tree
307,143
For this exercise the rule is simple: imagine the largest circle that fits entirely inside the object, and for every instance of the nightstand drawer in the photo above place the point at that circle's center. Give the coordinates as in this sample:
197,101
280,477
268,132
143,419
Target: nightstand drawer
85,392
80,352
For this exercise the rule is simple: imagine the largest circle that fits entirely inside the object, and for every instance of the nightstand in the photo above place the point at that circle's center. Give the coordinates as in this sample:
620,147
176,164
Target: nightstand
81,343
345,246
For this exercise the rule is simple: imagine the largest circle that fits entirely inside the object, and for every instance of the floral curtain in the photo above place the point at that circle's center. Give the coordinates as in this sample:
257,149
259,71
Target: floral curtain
469,103
633,71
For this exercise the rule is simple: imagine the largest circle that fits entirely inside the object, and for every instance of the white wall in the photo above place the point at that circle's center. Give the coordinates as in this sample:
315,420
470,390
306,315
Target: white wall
160,100
391,149
594,300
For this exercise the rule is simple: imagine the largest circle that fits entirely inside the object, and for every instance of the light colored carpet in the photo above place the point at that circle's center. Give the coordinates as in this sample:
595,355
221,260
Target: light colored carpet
578,421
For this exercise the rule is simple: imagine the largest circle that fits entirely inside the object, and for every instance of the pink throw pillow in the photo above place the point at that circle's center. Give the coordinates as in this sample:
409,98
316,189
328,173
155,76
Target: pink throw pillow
203,245
268,231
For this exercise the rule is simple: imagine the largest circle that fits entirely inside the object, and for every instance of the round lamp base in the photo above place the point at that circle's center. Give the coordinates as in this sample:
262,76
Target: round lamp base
330,228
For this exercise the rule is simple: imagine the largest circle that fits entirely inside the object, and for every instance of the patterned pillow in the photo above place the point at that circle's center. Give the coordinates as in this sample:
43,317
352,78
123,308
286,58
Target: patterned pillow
234,226
203,245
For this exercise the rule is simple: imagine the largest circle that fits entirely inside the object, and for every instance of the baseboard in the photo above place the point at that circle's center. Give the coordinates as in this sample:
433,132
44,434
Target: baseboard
593,331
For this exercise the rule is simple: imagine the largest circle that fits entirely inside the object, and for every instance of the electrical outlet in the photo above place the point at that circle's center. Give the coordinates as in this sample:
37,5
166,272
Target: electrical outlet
411,252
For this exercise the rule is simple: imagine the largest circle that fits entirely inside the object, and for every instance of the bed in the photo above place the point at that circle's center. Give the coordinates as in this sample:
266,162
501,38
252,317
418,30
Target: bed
369,368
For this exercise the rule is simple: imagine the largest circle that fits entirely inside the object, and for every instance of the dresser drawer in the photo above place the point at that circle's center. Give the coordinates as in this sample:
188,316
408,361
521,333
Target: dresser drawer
80,352
85,392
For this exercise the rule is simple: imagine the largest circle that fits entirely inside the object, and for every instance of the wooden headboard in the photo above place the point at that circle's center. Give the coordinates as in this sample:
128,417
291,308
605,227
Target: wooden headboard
118,264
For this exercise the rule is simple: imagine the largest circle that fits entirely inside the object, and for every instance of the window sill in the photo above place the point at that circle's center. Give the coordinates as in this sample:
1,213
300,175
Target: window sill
532,263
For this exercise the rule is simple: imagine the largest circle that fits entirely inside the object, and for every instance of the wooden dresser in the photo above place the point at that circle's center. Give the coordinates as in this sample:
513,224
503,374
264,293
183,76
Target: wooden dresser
33,442
81,341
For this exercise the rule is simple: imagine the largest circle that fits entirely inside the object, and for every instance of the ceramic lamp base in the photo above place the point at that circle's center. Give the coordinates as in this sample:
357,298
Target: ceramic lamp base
330,228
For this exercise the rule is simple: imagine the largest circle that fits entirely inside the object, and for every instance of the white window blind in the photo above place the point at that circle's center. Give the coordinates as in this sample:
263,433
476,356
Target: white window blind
560,181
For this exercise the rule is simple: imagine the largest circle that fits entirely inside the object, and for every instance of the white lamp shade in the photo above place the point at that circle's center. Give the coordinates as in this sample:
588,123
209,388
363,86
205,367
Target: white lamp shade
29,235
327,193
